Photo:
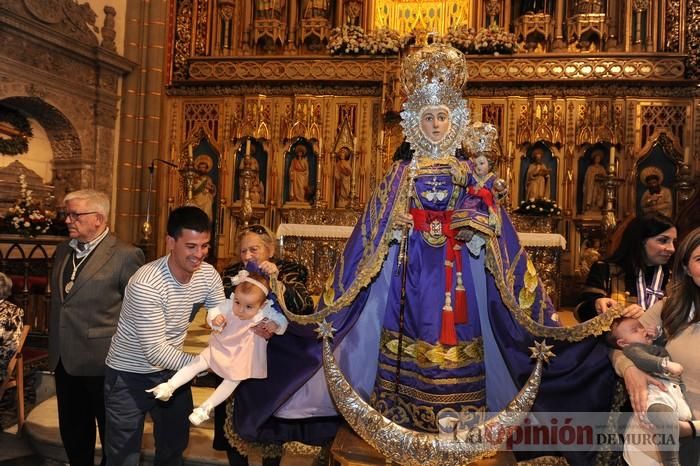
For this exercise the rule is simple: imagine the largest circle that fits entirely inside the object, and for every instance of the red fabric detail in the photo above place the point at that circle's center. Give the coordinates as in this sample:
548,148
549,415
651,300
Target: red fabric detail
485,194
460,307
448,334
422,219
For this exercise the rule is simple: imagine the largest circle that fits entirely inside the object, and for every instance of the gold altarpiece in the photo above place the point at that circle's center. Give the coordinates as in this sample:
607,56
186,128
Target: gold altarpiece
230,87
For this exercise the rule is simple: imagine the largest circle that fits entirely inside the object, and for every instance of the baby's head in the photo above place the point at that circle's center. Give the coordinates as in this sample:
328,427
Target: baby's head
249,294
625,331
482,165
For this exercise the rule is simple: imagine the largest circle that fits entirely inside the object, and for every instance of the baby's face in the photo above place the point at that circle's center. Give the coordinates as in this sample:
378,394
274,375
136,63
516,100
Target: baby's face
631,331
246,305
481,165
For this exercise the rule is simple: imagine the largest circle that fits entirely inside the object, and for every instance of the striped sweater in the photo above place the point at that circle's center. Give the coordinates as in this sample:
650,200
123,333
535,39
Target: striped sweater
155,315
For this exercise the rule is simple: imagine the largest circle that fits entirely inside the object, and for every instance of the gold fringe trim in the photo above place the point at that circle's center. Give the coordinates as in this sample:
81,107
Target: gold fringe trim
424,379
414,393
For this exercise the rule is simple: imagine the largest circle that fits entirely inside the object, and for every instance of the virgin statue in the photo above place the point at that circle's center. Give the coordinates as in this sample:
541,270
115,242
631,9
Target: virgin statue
424,326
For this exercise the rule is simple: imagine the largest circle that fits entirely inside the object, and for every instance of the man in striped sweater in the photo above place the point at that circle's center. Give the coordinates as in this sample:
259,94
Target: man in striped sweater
161,300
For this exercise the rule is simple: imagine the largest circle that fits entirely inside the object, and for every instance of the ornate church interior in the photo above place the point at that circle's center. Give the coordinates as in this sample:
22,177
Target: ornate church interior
287,113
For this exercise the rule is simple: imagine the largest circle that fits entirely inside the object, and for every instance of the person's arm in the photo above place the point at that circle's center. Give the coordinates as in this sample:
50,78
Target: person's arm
644,359
272,315
596,287
146,307
215,315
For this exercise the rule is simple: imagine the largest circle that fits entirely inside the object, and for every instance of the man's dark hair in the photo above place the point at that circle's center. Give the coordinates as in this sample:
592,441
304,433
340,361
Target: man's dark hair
190,218
653,176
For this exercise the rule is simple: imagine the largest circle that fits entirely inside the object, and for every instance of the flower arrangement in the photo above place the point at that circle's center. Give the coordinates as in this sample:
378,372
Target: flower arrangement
487,41
539,207
354,40
26,217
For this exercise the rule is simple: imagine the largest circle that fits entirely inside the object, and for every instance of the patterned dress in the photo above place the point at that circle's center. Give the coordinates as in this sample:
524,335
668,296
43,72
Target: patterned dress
10,332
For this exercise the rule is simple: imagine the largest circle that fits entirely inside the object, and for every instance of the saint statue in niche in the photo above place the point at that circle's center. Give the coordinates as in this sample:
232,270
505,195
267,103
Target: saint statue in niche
249,169
537,177
204,189
593,191
343,177
315,9
269,9
299,175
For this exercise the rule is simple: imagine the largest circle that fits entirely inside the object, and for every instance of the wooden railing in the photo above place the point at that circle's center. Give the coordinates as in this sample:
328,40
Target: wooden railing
28,263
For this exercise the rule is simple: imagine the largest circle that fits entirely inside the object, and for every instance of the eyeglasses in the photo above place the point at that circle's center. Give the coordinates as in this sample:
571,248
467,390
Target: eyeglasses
76,215
257,229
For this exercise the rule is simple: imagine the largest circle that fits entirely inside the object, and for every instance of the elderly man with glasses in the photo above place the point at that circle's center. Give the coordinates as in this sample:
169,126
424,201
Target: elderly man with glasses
88,279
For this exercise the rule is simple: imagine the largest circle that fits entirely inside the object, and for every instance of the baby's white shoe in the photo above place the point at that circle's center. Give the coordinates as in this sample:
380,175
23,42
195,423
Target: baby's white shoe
199,415
163,391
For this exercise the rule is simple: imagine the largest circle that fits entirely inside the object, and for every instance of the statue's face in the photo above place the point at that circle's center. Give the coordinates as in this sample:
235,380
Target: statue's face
435,122
300,151
481,165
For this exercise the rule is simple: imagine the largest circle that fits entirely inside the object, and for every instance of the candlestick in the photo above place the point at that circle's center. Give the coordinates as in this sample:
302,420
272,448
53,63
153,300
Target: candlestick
612,158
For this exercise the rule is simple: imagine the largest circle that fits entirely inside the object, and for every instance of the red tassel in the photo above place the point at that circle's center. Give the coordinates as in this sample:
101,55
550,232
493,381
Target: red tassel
461,310
448,335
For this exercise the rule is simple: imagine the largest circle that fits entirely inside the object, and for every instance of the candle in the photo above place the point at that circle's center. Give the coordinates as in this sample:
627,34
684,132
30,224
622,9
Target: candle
381,138
510,148
354,144
686,155
247,147
191,150
612,158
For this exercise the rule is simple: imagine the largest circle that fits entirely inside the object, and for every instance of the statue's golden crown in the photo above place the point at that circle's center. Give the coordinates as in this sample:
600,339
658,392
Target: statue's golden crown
482,139
438,64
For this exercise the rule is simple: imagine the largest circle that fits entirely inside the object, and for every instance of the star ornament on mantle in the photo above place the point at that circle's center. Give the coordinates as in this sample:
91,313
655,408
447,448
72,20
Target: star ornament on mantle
542,351
325,329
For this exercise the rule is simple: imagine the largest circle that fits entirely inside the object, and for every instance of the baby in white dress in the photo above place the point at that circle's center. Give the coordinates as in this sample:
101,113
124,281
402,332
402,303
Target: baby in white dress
234,353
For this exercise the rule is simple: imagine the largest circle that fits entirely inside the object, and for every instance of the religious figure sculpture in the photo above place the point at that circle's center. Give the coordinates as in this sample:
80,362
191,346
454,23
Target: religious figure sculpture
593,191
537,177
269,9
256,191
204,189
657,198
343,178
299,175
315,9
249,169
